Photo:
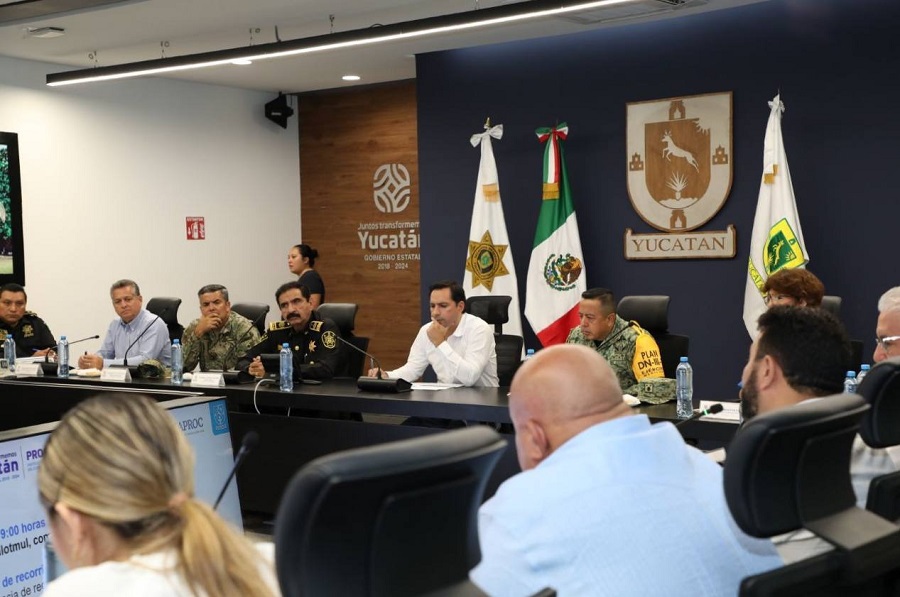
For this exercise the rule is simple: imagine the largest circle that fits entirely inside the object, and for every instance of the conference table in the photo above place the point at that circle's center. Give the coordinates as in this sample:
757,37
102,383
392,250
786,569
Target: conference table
314,420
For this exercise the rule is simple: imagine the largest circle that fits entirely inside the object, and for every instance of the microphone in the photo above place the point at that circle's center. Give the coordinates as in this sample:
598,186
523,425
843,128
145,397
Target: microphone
47,356
713,409
243,337
630,324
377,384
141,335
248,443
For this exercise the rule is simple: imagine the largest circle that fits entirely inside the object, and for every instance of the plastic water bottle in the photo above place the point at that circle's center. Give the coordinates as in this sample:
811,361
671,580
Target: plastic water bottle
177,363
863,371
850,383
286,369
684,389
529,353
62,358
9,351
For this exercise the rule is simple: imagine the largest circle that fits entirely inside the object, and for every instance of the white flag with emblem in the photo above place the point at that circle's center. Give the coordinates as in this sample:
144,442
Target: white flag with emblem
489,264
777,240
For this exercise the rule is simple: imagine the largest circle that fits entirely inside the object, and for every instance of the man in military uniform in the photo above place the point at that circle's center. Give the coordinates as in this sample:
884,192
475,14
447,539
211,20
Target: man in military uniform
615,339
313,340
219,337
33,337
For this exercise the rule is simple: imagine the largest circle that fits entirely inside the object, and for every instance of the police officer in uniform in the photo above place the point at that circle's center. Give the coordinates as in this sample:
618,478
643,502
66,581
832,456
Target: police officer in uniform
33,337
313,340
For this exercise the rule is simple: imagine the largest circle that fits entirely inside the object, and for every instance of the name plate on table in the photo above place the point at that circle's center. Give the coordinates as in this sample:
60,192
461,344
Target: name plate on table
208,379
115,374
29,370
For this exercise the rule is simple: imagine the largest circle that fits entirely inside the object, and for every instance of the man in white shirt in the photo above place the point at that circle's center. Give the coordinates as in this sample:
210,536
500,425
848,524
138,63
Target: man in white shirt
458,346
799,354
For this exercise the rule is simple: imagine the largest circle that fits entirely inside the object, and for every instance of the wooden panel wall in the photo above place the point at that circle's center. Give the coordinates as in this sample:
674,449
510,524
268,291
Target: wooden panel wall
345,137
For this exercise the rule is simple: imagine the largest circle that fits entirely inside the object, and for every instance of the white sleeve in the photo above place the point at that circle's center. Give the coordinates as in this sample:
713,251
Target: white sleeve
417,360
466,367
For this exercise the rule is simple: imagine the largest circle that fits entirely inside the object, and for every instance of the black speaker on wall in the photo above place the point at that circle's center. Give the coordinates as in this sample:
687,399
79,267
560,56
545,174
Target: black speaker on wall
278,110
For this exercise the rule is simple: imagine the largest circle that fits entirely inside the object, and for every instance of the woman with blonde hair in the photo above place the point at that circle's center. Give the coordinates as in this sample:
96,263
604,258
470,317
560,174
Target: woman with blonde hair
117,481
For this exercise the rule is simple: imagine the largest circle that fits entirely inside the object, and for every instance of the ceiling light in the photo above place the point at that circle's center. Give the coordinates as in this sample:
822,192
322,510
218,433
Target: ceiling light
485,17
242,62
351,77
45,32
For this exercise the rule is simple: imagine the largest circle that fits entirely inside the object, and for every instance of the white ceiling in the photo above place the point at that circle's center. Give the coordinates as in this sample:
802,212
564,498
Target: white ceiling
135,30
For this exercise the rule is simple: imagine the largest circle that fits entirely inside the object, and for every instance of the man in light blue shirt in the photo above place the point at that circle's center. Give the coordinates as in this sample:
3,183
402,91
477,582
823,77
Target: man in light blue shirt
608,504
137,332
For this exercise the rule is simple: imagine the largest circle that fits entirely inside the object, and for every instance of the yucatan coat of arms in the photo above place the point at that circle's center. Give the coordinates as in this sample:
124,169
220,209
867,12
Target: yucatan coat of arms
679,159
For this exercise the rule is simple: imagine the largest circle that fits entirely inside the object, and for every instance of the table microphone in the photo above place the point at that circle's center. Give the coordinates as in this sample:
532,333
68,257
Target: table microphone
617,334
248,443
713,409
376,384
141,335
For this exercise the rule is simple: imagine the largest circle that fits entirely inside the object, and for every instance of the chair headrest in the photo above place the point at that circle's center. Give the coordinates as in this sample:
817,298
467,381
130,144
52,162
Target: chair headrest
650,311
166,307
791,466
832,304
880,428
342,314
492,309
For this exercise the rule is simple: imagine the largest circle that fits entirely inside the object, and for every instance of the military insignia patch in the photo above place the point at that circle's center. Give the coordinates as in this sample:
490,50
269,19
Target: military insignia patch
27,330
278,325
329,340
312,346
316,326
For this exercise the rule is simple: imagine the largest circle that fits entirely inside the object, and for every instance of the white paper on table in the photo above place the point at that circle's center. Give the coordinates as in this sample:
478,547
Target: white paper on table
731,411
422,385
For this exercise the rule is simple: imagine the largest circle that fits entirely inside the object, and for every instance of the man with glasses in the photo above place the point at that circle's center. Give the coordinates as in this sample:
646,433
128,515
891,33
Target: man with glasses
136,334
616,340
220,336
887,330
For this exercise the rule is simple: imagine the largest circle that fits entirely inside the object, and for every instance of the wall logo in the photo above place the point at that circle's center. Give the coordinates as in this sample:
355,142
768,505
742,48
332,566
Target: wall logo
391,188
679,175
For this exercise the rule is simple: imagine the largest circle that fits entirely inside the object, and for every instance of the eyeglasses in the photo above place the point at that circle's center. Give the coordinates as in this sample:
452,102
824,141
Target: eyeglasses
777,298
886,342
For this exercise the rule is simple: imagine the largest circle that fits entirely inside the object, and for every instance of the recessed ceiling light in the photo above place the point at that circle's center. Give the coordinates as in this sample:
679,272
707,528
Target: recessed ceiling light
350,77
241,62
45,32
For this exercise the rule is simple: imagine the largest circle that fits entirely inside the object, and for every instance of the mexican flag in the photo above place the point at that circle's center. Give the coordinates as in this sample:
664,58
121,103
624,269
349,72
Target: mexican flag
556,276
777,240
489,262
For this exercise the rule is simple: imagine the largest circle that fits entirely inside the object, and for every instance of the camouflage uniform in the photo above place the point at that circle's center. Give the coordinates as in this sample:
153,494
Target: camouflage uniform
317,350
619,353
219,349
31,335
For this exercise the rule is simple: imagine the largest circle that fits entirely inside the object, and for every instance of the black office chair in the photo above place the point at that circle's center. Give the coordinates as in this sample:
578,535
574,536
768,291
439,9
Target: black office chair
167,309
495,311
255,312
880,428
344,316
652,313
391,520
832,304
789,469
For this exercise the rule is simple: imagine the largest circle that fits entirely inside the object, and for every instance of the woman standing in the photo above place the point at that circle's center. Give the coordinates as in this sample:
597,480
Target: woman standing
117,481
301,260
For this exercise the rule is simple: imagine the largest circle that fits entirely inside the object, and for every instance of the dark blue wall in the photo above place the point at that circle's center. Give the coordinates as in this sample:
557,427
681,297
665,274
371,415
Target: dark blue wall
837,71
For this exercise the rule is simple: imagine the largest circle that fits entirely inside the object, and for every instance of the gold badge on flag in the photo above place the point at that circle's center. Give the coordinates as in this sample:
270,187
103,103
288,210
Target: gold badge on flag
485,261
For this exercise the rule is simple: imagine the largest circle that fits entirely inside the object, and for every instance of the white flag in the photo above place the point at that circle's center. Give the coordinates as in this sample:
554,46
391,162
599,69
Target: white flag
777,241
489,264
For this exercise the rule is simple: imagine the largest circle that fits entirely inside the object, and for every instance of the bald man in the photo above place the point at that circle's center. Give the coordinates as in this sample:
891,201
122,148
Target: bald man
607,503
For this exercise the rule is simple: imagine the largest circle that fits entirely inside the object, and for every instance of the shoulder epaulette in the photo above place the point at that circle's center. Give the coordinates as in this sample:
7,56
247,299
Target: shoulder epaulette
316,325
278,325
